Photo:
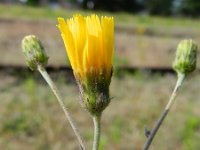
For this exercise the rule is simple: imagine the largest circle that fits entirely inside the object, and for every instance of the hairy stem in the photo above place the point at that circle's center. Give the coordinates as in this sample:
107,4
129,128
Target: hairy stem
179,82
56,93
97,131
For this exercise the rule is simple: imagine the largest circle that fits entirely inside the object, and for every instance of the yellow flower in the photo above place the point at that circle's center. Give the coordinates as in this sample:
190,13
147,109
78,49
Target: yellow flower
89,44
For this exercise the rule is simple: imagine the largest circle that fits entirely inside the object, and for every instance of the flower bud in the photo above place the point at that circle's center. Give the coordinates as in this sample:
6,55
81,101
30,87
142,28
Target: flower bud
34,52
185,60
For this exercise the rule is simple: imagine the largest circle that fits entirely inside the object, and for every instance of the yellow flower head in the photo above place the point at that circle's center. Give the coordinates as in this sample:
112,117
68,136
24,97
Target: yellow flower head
89,43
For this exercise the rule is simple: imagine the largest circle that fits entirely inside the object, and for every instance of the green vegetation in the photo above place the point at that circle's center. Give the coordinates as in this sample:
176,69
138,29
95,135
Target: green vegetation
190,131
40,13
32,119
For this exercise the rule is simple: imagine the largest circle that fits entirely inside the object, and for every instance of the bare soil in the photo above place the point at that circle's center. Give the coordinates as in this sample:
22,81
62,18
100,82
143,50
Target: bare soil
138,48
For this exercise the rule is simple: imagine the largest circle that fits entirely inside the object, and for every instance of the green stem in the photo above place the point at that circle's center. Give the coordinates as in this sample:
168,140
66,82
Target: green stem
179,82
97,131
56,93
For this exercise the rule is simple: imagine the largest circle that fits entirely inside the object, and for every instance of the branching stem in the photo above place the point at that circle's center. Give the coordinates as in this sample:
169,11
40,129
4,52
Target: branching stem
179,82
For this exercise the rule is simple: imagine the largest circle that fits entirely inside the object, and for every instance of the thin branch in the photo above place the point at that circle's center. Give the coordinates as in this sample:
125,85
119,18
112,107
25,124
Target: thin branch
152,134
60,101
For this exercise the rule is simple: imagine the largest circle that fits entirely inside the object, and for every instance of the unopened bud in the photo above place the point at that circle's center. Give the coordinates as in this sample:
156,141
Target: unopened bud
185,60
34,52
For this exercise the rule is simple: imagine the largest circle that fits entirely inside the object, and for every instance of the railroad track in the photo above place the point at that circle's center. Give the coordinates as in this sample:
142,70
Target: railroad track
53,69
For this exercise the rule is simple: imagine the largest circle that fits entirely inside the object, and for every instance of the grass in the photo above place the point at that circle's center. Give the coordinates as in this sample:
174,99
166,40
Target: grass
38,13
31,118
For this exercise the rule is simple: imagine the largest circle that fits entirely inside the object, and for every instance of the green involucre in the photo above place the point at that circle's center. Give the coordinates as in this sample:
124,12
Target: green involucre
34,52
185,60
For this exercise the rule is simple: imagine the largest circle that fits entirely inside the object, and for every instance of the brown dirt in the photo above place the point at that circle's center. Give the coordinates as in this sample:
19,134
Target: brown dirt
139,49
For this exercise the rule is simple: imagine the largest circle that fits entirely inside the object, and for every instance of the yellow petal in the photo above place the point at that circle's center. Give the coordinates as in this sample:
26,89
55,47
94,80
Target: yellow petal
68,41
89,42
108,38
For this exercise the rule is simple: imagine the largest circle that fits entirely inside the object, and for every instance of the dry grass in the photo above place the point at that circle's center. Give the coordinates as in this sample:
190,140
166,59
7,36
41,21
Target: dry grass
31,118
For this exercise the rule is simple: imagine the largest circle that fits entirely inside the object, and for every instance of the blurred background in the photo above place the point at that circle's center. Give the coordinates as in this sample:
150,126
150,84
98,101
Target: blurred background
146,35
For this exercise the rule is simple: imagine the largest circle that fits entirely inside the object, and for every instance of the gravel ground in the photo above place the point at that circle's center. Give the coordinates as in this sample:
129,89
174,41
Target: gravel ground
138,48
